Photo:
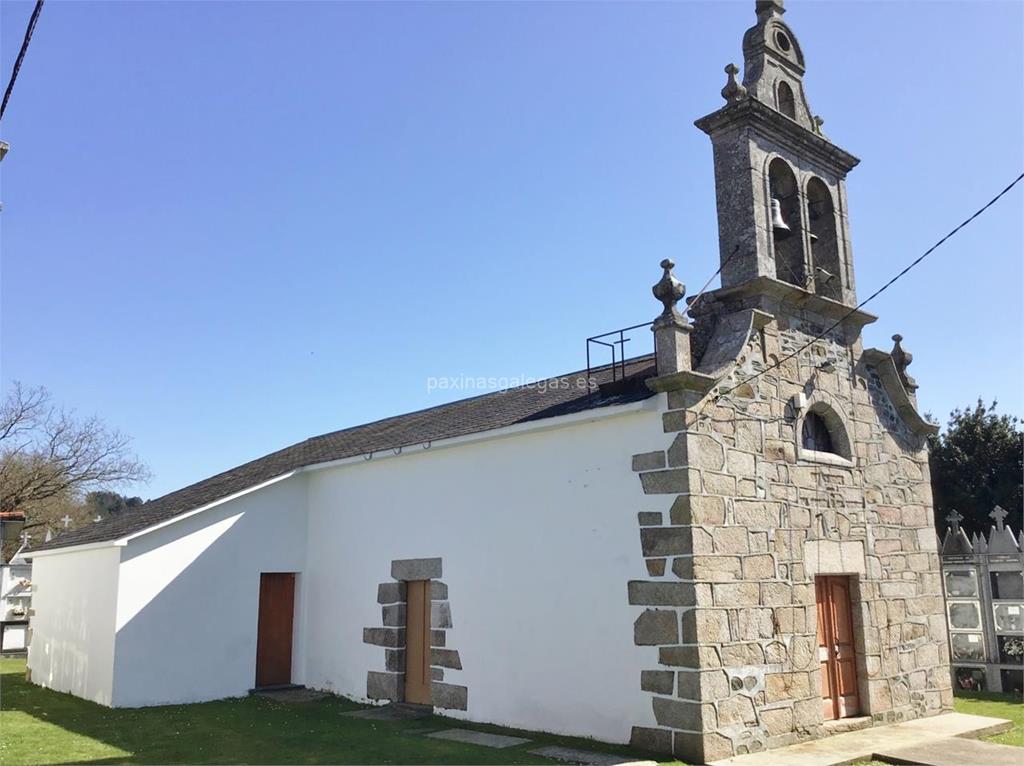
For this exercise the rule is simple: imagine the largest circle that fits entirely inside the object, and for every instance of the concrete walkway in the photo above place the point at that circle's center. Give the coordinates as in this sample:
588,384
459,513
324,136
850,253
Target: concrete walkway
955,751
878,740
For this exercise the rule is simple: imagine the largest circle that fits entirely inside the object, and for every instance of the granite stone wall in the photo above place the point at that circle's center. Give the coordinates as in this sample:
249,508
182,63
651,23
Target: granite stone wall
729,598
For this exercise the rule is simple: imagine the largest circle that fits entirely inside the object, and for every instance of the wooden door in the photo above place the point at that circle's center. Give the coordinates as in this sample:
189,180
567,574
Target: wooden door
274,631
417,642
835,648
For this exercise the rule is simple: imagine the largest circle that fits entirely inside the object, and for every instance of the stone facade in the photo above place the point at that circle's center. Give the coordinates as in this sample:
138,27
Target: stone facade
731,597
757,511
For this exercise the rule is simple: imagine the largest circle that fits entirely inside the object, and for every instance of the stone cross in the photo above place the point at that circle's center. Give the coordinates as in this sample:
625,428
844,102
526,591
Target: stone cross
67,520
954,519
998,514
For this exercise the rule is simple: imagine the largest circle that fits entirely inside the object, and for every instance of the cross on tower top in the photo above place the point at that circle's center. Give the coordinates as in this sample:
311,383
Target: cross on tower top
67,520
954,519
999,515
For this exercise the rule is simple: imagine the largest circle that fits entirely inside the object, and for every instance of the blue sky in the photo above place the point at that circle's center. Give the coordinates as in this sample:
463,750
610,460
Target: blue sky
230,226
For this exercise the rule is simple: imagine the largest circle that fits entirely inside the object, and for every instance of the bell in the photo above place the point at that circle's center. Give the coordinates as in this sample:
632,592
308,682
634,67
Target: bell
779,227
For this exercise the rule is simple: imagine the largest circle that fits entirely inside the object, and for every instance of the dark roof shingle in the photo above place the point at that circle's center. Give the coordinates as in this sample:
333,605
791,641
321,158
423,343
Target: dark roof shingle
561,395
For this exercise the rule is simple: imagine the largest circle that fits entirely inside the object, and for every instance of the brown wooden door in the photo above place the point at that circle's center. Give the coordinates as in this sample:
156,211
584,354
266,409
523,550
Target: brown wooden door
417,642
274,632
835,648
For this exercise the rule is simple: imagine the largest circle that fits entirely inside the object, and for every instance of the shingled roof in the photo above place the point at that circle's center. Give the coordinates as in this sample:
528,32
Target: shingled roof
561,395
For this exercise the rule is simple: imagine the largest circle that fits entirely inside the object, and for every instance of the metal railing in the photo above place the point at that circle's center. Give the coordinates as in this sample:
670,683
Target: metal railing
617,347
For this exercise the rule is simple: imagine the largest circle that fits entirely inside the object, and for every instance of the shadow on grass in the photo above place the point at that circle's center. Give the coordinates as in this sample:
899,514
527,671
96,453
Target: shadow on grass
46,728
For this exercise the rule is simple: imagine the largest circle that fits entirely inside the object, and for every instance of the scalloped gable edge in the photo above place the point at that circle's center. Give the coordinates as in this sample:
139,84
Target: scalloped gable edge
882,362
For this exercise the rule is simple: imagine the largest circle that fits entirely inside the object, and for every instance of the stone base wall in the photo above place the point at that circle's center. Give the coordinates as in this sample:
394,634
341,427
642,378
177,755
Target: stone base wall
730,595
390,684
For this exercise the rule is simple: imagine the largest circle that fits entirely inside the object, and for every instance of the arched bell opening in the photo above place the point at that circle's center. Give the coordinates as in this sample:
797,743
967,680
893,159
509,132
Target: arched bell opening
785,222
785,102
824,236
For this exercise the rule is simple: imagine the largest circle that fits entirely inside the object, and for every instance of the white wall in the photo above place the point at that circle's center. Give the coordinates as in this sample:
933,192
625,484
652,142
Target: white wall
189,595
537,531
75,599
538,535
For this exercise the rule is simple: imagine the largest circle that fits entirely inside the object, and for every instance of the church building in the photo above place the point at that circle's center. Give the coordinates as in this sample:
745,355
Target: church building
720,547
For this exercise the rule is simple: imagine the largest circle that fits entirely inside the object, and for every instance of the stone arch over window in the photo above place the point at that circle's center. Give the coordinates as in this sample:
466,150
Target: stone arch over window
822,434
786,226
824,236
784,99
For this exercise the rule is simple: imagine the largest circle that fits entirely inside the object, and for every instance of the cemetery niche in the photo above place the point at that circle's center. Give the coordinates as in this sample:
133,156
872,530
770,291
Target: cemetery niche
983,581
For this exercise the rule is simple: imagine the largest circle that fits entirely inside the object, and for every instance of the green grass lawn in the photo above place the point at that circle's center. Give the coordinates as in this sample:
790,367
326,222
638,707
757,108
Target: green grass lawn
38,726
996,706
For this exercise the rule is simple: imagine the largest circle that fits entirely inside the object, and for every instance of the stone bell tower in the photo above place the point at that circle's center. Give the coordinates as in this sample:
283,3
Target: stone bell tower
782,211
792,583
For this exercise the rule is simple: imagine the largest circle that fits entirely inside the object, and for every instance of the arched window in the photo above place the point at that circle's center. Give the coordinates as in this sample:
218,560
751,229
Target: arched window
828,277
815,435
787,227
785,101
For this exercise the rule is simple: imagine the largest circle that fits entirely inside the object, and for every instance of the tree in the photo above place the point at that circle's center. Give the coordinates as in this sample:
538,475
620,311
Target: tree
976,464
49,457
104,503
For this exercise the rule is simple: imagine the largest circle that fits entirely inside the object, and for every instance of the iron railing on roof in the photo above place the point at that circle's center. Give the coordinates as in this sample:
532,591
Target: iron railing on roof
615,341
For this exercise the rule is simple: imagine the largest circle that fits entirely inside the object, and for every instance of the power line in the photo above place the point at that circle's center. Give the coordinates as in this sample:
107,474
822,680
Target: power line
21,55
873,295
700,293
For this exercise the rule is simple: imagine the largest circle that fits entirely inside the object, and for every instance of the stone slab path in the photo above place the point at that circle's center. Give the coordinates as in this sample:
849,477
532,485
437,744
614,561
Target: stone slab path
297,694
586,757
388,713
865,743
955,751
478,738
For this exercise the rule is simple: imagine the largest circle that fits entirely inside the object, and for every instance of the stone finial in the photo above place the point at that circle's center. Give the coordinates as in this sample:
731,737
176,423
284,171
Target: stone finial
954,519
999,515
733,91
669,291
671,330
902,359
768,8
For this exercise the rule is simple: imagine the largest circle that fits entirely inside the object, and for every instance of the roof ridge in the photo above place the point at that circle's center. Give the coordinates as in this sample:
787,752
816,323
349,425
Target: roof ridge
511,389
460,417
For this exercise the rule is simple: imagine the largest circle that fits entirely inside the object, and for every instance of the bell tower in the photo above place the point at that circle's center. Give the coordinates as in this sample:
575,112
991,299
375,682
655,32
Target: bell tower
780,182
